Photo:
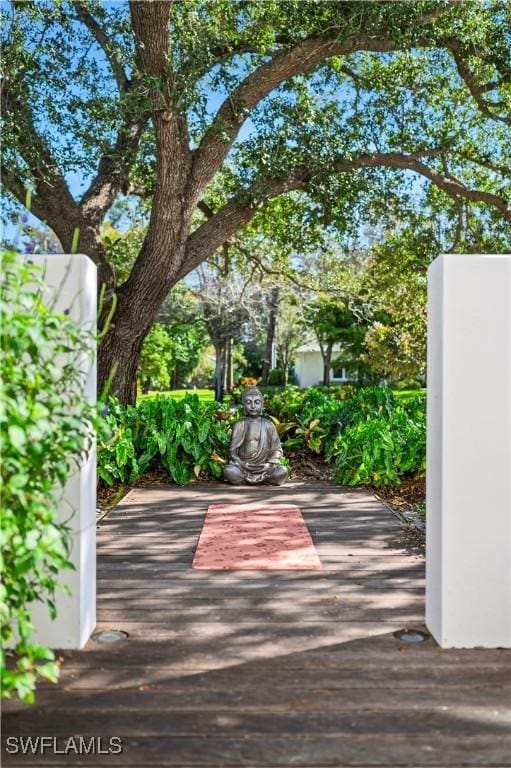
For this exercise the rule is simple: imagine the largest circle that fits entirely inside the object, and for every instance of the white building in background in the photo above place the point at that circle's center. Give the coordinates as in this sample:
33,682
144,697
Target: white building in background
308,364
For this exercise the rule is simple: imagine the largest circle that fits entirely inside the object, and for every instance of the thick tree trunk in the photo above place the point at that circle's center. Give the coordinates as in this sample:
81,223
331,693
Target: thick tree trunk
157,266
118,363
136,311
270,335
119,350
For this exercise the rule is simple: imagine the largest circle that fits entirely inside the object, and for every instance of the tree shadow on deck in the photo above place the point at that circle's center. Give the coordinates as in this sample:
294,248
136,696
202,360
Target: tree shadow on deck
269,668
366,701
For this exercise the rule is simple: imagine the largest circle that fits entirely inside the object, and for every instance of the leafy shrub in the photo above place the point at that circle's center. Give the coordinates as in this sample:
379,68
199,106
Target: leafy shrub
274,389
44,427
368,403
276,377
338,391
285,404
117,462
371,435
325,413
380,449
186,437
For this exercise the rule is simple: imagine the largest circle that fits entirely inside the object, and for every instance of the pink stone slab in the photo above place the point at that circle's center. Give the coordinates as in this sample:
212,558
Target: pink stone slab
252,538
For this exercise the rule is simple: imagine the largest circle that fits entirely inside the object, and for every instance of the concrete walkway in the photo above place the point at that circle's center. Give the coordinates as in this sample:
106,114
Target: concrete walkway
249,668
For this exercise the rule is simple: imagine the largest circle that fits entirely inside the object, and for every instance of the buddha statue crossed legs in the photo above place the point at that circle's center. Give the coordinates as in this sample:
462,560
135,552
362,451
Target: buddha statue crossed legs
255,446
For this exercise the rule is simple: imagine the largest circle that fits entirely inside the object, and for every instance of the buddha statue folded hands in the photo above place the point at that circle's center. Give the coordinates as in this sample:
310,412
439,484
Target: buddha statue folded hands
255,449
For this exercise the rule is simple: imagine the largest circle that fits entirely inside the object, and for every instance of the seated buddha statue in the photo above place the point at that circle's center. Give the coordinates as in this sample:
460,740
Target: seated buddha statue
255,446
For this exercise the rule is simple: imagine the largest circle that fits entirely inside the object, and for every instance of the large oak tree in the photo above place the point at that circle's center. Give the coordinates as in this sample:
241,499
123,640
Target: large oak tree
343,100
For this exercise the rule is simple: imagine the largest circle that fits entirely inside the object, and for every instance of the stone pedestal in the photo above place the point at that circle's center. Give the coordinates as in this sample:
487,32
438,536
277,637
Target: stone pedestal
72,284
468,544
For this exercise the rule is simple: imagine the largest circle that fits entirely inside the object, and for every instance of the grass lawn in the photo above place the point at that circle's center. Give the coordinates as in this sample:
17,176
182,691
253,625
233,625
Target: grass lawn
208,395
205,395
409,394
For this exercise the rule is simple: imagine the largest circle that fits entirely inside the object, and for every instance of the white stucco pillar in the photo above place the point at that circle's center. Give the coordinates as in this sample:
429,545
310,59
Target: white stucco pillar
72,284
468,529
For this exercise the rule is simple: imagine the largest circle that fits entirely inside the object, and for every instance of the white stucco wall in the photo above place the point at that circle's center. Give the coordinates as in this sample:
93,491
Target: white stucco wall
72,284
468,536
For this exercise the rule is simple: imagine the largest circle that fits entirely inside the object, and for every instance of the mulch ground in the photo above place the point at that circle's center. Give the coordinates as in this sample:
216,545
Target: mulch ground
409,494
305,465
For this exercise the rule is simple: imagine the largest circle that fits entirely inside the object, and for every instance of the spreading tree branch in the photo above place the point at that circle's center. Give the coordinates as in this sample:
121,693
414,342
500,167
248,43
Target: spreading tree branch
249,253
300,58
223,51
18,190
113,169
235,214
105,43
503,170
52,201
487,108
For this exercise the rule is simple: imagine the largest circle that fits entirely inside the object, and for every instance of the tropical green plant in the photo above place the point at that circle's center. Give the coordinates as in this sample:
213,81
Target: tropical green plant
371,435
282,426
313,434
380,450
186,437
322,411
117,462
310,434
45,429
285,404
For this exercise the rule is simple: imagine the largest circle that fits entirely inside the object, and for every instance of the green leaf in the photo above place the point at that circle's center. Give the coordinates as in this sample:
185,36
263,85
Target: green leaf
121,454
17,436
204,426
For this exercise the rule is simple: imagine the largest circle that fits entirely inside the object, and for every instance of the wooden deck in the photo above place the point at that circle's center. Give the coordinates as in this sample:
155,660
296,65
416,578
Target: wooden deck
268,668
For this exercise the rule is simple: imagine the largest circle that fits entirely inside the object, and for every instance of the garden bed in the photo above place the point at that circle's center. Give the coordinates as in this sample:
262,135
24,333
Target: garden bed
408,501
365,437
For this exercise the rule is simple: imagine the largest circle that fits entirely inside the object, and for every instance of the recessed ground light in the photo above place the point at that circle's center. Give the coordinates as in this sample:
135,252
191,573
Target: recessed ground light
411,635
109,636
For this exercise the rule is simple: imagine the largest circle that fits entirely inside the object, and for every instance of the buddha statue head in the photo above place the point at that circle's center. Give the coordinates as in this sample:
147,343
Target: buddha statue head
253,401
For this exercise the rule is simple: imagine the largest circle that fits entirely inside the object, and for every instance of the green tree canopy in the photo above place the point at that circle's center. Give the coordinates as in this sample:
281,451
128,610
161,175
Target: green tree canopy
330,110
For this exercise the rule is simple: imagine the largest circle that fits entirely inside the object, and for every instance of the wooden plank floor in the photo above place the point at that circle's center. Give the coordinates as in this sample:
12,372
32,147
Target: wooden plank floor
268,668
